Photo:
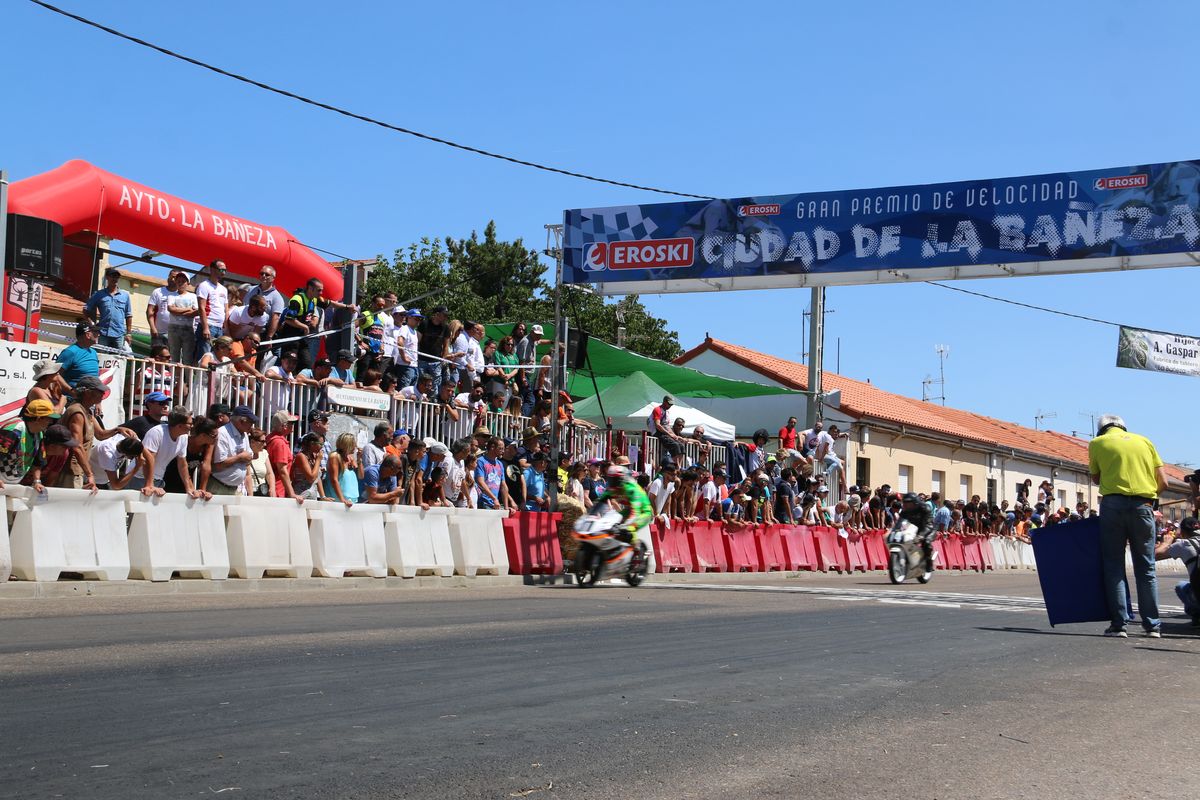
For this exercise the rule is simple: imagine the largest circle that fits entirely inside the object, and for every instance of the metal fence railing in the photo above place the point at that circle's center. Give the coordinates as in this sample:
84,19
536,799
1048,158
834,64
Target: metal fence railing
198,388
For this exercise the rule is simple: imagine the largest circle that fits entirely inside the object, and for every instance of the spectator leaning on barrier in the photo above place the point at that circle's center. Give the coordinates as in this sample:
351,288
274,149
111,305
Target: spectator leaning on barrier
57,450
117,461
373,451
81,358
489,478
1186,547
260,478
380,484
454,474
81,421
536,497
112,308
412,478
343,471
165,447
1130,474
154,407
21,440
306,468
233,453
197,458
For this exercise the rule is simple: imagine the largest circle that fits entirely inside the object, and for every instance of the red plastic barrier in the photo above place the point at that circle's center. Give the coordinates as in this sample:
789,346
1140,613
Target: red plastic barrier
971,557
798,547
671,551
830,554
855,551
772,556
877,554
705,541
531,539
741,553
939,547
953,550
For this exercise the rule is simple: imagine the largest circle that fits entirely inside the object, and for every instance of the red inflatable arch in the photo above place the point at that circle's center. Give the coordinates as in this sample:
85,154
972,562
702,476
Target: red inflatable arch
88,201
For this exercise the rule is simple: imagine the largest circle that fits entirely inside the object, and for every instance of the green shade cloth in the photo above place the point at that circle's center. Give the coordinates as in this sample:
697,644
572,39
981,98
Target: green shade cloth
610,365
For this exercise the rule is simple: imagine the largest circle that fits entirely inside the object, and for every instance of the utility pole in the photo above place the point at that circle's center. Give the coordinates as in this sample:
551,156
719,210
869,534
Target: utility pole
816,352
4,230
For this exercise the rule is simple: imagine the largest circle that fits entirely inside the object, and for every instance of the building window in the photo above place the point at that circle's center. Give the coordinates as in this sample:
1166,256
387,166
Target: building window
991,491
964,487
1062,498
862,471
905,480
937,481
1079,498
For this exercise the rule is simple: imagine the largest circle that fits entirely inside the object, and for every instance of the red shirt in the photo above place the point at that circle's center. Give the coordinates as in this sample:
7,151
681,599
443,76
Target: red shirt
787,439
279,452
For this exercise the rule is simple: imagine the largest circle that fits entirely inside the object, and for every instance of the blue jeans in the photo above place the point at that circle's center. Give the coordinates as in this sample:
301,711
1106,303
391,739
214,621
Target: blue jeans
205,345
434,370
1183,590
115,342
1128,520
405,375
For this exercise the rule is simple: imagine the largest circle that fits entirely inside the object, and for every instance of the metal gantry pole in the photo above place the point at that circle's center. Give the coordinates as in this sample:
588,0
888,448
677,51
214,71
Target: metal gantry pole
554,235
3,231
816,352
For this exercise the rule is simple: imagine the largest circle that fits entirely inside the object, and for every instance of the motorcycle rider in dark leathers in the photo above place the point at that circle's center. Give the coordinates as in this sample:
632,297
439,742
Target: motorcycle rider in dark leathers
913,510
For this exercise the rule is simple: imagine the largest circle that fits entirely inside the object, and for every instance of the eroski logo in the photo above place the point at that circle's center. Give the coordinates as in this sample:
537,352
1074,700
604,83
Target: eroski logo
1139,181
760,210
654,254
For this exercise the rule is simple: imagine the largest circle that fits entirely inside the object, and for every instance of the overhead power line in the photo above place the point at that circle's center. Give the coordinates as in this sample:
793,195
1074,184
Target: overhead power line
1025,305
353,115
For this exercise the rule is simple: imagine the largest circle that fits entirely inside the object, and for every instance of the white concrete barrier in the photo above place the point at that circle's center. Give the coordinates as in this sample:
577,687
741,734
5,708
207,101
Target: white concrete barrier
268,536
176,534
999,553
1026,556
347,541
70,530
418,542
477,541
5,548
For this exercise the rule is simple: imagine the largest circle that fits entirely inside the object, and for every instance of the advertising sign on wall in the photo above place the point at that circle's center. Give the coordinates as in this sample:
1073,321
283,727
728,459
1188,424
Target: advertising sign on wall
1158,352
1121,218
17,362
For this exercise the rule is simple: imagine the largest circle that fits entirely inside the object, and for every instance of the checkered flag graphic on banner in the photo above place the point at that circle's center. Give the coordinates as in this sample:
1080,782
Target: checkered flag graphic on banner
625,224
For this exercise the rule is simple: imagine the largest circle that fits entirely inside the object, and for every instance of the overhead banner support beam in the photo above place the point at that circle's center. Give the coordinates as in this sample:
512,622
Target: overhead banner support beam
1124,218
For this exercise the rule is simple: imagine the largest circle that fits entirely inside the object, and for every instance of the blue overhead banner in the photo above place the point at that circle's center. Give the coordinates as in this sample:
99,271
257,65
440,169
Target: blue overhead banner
1110,219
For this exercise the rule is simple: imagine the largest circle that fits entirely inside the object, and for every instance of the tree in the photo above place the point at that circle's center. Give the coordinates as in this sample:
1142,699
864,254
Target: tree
489,280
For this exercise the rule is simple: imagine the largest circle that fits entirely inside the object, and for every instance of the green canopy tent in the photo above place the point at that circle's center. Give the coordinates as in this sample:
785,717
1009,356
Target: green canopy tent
629,401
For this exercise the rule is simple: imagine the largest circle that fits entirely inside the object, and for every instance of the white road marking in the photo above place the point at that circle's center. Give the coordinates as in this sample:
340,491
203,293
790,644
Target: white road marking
982,602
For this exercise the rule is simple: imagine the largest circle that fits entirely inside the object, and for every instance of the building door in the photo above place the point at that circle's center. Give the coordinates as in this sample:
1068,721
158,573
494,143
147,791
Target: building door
964,487
905,480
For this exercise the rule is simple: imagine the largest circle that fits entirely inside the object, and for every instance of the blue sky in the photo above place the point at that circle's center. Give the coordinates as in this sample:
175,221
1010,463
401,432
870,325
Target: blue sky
711,98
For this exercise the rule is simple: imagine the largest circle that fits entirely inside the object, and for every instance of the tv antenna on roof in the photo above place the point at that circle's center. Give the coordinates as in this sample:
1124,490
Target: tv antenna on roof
943,352
1041,415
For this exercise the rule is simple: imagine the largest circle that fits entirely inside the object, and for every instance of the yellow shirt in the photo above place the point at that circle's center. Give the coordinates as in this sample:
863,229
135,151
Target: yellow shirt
1126,463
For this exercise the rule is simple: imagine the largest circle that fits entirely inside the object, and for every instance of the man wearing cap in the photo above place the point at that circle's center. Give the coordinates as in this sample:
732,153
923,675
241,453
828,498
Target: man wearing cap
342,373
1130,474
233,455
21,439
154,407
408,341
48,385
112,308
1185,546
434,332
83,425
81,358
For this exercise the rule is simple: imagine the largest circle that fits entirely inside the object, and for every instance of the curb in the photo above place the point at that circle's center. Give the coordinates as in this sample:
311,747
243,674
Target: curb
28,590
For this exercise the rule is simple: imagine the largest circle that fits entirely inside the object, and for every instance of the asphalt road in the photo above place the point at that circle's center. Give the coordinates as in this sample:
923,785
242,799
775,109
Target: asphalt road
830,689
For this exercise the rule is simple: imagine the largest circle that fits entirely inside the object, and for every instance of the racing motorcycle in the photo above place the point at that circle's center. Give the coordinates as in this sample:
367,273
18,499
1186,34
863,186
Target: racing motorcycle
906,557
597,540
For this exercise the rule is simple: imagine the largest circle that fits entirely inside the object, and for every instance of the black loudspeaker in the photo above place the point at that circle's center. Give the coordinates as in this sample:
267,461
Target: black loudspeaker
34,247
577,348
